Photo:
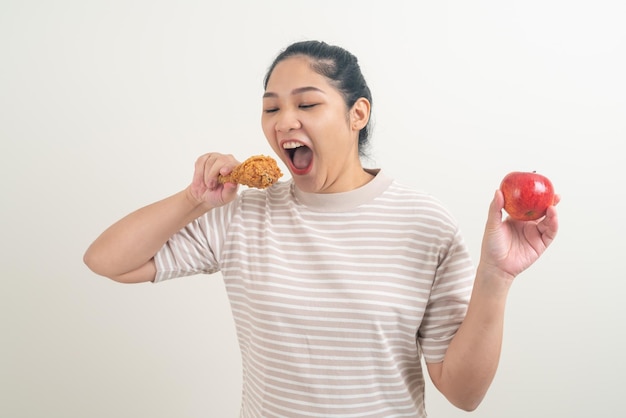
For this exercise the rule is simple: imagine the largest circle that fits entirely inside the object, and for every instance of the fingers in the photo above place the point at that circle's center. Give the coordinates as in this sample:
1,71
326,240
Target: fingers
549,226
210,166
205,187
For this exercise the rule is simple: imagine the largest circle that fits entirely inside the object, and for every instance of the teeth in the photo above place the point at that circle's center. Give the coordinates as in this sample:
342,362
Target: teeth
292,145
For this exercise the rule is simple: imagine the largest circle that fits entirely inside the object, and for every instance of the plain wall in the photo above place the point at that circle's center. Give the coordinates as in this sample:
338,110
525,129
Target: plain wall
105,105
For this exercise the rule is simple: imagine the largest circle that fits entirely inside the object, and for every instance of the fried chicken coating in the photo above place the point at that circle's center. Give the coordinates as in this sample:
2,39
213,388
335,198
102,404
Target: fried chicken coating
259,171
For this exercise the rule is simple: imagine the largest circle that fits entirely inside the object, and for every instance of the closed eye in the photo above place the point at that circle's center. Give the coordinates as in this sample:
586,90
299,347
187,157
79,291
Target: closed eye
302,106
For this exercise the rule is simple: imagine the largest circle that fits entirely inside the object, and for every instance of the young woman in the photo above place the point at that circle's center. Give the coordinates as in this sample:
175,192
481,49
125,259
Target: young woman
341,280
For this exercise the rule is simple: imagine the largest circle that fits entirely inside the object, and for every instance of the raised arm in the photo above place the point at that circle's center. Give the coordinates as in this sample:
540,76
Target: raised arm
509,247
125,251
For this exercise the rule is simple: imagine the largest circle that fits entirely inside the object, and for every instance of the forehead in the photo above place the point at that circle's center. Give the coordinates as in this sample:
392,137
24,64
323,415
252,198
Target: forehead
296,72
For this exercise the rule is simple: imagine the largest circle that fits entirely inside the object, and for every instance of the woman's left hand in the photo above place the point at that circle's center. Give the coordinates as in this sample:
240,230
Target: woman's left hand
512,246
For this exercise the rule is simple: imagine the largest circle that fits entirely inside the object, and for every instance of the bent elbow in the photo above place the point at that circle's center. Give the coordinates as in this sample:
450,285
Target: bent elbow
105,267
97,265
91,261
468,404
470,407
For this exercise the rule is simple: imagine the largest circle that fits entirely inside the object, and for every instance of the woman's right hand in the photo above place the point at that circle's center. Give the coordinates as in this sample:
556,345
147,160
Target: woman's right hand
205,188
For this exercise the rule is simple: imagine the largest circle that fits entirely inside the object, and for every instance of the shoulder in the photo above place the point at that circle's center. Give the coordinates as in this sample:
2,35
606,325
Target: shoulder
421,204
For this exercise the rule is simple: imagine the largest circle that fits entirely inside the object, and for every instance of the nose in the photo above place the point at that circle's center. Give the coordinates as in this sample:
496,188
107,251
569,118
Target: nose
287,121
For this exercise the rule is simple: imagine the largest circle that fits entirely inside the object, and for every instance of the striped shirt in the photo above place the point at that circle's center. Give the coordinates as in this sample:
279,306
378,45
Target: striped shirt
335,297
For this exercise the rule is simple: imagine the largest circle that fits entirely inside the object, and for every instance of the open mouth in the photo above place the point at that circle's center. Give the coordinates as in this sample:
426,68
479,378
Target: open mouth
300,157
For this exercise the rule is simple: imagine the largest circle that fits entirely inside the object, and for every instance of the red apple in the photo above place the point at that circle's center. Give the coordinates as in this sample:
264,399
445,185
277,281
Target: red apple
527,195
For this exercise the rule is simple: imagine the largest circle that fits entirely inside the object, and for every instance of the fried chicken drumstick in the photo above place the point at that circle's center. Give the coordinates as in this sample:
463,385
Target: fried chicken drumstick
259,171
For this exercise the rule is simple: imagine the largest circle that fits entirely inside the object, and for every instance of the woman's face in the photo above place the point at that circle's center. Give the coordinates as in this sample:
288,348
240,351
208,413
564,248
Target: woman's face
307,123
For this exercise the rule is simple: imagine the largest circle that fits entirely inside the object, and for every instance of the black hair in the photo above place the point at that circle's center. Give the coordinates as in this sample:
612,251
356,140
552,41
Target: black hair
340,67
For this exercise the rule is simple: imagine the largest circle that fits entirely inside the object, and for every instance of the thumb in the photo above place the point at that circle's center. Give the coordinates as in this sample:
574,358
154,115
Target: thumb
229,191
494,217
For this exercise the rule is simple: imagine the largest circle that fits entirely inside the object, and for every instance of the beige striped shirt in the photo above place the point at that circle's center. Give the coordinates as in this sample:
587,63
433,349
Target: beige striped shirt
335,297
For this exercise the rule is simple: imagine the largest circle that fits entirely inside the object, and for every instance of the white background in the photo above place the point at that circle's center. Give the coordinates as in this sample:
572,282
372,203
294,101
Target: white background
105,105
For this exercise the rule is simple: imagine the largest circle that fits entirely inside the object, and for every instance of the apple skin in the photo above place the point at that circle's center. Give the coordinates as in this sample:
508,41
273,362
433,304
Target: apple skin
527,195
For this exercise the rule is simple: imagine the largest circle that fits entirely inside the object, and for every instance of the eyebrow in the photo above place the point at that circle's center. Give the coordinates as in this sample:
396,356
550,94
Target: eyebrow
299,90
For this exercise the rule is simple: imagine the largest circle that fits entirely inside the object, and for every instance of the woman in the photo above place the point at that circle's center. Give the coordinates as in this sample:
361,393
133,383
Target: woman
341,280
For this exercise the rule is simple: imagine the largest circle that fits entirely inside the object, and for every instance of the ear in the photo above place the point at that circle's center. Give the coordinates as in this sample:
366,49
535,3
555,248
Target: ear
360,114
